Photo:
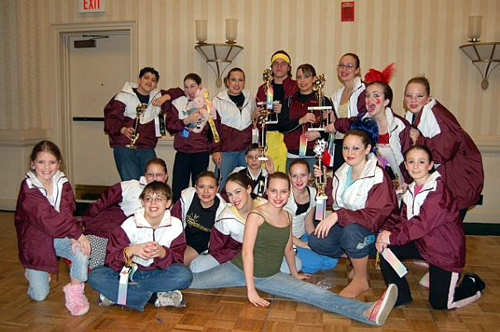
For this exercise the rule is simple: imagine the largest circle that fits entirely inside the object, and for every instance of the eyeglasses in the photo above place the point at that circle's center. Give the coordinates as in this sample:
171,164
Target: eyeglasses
345,66
158,199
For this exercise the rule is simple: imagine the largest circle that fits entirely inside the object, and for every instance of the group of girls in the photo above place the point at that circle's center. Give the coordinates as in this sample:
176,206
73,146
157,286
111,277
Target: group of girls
249,240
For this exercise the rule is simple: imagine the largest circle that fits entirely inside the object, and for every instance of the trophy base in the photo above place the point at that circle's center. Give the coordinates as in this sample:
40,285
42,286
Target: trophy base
263,158
321,197
272,122
315,129
130,146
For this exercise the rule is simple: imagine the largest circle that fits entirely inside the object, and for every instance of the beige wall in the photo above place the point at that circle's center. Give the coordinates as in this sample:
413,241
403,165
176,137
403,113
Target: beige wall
420,36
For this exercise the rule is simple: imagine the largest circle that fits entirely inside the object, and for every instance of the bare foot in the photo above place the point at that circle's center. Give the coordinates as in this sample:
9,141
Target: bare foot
355,287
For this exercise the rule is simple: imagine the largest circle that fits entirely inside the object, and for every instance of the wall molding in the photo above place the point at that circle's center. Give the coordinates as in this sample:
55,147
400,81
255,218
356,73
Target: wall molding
487,144
24,137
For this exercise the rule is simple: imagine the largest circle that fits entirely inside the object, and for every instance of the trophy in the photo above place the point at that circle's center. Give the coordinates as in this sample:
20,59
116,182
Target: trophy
138,112
271,117
262,136
321,112
319,148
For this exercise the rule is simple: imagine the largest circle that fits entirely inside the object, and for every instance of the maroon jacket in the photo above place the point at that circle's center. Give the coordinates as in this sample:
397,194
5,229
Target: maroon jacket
289,86
195,142
114,121
288,121
38,223
436,229
460,161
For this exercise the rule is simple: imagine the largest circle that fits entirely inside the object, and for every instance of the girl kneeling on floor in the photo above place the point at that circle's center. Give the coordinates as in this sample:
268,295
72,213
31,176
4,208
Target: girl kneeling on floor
430,228
46,229
154,242
267,238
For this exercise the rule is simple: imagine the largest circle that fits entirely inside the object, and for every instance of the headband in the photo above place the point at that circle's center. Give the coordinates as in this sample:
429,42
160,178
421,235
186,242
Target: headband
281,56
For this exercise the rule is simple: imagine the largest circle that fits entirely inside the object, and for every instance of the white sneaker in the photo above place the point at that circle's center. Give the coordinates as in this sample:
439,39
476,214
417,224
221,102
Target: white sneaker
170,299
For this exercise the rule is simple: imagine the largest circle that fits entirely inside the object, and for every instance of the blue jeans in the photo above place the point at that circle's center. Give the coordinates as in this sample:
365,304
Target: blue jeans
131,164
283,285
313,262
230,160
354,240
105,280
39,287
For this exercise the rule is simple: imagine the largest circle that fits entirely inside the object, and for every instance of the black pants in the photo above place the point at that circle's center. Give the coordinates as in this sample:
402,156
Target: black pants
443,293
338,158
187,165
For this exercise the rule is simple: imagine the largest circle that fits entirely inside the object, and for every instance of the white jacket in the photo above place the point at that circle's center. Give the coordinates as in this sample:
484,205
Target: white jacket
298,224
230,115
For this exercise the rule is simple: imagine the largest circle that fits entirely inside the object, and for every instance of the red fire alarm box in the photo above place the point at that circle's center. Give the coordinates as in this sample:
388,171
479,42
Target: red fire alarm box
347,11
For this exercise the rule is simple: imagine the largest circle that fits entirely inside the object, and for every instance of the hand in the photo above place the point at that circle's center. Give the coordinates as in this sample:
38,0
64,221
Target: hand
414,134
402,188
325,225
83,243
269,165
194,117
312,135
308,118
303,276
317,172
277,108
156,250
142,250
256,113
384,237
161,100
331,128
256,300
217,158
380,246
128,132
301,244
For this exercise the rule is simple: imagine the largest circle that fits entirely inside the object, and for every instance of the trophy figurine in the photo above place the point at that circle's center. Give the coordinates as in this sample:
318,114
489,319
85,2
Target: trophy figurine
271,117
320,111
138,112
319,148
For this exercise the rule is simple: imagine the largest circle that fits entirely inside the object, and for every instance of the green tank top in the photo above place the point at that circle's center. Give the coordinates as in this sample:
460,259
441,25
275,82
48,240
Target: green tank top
269,250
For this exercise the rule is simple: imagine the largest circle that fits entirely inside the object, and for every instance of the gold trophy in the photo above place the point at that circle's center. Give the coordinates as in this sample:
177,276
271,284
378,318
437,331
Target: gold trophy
320,111
262,135
319,148
138,112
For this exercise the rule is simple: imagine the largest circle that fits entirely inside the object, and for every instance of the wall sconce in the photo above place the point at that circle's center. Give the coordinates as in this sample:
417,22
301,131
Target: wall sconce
218,56
485,56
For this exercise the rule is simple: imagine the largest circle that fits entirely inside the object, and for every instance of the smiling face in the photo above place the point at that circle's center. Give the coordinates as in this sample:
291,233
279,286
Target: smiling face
304,82
206,189
278,191
375,100
346,69
238,195
299,176
155,172
354,150
418,165
147,83
190,88
45,166
235,82
154,206
416,97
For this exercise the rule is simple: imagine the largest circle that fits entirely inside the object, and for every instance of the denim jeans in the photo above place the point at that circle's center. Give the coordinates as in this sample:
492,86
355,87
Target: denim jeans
313,262
283,285
39,286
230,160
204,262
354,240
105,280
131,164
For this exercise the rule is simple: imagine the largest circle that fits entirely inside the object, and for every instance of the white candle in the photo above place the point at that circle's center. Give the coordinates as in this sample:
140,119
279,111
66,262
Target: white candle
201,30
231,29
475,28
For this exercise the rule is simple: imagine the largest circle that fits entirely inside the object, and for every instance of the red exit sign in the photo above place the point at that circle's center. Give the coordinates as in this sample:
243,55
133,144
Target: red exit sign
92,6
